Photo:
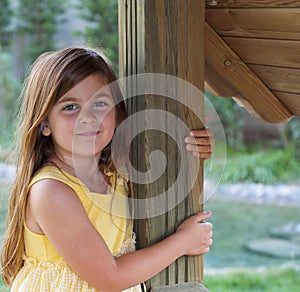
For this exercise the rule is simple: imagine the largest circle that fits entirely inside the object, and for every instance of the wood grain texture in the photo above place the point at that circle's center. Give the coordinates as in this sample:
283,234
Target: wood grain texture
290,100
266,36
252,4
162,36
280,53
228,75
278,78
191,287
267,23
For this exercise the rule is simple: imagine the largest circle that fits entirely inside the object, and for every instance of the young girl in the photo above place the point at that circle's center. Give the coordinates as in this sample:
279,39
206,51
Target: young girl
61,234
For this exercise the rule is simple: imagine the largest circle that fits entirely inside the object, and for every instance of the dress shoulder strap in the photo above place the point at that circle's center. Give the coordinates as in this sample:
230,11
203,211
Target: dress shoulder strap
51,172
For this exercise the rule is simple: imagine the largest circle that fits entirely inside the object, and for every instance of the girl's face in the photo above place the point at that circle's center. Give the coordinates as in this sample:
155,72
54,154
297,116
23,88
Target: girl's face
82,121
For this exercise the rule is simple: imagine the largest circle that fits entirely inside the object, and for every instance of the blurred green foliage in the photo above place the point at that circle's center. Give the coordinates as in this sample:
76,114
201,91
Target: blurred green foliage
258,164
102,15
38,20
10,87
228,111
5,22
294,135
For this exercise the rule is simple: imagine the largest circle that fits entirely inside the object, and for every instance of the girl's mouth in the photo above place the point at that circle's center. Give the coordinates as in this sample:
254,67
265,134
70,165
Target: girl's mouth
89,134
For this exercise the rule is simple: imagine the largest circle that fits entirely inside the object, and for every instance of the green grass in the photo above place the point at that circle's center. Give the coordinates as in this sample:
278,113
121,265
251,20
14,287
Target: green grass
264,164
272,281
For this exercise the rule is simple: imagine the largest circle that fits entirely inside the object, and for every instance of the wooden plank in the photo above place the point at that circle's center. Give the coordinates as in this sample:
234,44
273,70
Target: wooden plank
252,3
181,67
290,100
256,23
195,67
227,73
154,29
279,53
278,78
173,157
128,23
122,37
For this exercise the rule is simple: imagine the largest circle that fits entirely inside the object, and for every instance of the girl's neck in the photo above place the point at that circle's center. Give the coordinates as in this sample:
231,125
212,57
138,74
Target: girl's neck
86,170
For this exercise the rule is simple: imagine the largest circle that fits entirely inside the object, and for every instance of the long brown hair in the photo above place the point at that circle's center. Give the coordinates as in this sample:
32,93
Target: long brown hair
50,77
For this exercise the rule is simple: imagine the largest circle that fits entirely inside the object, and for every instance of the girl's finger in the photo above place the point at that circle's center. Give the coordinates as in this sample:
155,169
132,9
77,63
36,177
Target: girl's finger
198,141
202,133
199,148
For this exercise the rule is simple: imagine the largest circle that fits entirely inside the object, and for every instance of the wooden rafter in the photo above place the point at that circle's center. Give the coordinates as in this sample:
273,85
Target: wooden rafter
252,3
229,76
262,23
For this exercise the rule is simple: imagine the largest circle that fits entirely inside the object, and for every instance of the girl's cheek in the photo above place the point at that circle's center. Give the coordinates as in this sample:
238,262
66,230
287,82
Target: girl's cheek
108,118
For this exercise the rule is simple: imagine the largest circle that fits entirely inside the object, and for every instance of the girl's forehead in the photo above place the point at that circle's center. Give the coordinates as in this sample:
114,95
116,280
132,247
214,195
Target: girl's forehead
92,86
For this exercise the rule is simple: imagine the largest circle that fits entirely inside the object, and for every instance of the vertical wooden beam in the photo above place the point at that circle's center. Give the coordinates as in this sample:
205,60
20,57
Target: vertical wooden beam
166,37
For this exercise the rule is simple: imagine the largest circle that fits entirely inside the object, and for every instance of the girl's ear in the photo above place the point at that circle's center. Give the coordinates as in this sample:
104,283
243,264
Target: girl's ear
45,128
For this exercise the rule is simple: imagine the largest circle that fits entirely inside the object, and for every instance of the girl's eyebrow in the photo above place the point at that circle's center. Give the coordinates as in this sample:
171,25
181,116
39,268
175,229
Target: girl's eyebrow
102,94
67,99
75,99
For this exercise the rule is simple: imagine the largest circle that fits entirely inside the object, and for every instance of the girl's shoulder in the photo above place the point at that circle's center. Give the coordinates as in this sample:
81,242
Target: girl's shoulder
50,182
49,196
56,178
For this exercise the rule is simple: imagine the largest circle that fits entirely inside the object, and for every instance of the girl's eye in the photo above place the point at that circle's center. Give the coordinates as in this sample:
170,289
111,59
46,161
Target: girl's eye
100,104
70,107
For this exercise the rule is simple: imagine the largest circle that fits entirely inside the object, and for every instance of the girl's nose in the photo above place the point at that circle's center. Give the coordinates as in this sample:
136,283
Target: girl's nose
87,117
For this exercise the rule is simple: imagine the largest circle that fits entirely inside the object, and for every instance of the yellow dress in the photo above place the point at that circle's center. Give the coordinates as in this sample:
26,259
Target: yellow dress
44,269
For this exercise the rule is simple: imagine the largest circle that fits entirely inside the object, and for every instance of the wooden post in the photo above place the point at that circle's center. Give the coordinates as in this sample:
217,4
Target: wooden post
167,37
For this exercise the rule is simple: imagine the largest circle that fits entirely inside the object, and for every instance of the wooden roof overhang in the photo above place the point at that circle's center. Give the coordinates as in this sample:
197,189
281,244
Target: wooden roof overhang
252,52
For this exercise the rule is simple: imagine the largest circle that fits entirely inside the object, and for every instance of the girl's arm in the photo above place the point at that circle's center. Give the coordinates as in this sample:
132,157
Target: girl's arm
56,210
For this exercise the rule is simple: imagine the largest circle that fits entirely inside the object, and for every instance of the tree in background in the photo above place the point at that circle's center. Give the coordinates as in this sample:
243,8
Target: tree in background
9,91
103,30
34,28
37,21
5,18
294,135
8,85
229,113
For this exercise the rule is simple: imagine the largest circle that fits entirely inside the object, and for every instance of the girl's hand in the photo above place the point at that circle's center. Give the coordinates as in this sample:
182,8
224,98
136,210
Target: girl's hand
200,143
196,234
